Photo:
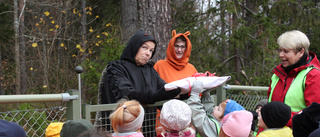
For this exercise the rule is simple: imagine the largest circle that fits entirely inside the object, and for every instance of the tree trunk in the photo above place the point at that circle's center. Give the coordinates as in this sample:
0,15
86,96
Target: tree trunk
236,47
225,49
83,38
17,48
155,18
23,69
129,19
152,16
1,77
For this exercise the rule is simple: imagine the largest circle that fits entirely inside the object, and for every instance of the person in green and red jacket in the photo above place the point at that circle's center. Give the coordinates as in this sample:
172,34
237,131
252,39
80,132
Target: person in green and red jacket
295,81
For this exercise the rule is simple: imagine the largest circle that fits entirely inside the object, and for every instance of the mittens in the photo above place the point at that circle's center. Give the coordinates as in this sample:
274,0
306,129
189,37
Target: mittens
197,88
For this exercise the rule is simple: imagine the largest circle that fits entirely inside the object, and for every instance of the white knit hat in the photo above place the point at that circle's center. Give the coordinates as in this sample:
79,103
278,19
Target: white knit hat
175,115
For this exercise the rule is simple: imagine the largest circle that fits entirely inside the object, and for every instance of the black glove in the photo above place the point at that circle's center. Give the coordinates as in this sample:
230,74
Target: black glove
165,95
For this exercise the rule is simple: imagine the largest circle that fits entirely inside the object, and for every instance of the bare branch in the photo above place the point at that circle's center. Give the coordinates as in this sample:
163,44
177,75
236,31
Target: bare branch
5,12
247,9
24,6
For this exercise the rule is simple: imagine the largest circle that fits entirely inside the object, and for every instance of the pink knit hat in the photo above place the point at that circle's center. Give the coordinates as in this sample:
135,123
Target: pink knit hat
175,115
237,123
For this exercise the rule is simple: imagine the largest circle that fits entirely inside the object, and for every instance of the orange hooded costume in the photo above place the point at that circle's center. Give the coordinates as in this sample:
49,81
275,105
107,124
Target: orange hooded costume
172,68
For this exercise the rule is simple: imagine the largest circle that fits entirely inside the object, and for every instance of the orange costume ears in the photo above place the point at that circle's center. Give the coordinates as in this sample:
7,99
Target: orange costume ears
174,33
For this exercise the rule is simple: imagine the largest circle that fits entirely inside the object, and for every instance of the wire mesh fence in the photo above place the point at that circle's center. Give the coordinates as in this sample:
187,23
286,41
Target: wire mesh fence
247,101
149,130
35,121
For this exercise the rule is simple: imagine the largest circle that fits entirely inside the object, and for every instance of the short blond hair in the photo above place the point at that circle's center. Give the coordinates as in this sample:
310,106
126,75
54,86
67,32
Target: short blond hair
295,40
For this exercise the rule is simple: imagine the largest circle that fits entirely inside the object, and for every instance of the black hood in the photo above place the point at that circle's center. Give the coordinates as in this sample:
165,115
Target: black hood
135,43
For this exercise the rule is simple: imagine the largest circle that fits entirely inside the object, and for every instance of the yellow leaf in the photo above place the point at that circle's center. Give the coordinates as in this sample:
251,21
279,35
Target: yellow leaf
91,30
90,8
97,44
106,34
37,24
51,18
109,24
46,13
62,45
79,15
97,16
35,17
90,66
65,48
90,52
64,12
57,26
78,46
88,12
68,23
44,86
74,11
31,68
74,55
98,36
81,50
100,41
41,19
52,22
34,45
51,29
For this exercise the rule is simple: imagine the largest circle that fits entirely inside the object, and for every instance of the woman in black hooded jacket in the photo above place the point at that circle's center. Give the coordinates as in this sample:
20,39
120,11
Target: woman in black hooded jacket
133,77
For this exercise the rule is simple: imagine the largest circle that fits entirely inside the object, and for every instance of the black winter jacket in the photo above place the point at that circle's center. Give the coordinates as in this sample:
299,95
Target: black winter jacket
124,79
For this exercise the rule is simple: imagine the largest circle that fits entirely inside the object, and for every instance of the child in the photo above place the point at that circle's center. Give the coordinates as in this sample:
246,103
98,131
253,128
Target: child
127,119
273,117
53,130
95,133
11,129
175,119
205,116
236,124
259,105
307,121
73,128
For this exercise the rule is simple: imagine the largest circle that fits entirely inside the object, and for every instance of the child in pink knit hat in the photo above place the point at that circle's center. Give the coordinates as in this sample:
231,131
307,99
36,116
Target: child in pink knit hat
236,124
175,119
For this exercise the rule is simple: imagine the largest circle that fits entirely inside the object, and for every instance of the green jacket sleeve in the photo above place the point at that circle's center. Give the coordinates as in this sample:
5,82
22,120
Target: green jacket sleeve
200,120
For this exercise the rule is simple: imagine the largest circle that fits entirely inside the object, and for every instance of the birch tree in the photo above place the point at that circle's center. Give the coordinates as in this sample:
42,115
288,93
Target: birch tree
22,44
17,48
154,18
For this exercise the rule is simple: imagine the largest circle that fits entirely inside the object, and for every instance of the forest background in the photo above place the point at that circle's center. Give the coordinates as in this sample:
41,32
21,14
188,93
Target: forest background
42,41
